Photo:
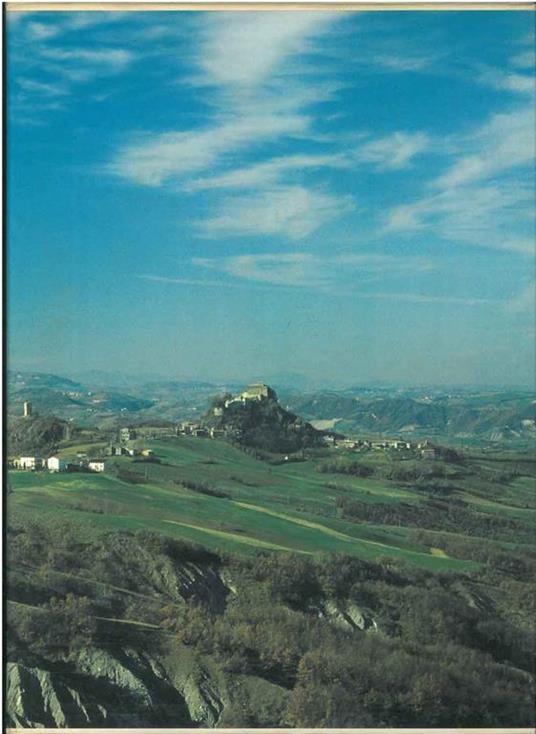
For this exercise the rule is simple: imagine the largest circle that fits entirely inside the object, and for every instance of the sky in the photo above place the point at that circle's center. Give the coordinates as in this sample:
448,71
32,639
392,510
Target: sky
232,195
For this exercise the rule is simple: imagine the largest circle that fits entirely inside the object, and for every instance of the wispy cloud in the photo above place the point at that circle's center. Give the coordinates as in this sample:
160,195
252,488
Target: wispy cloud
480,199
57,70
508,81
263,100
268,100
524,59
196,282
403,63
293,211
266,41
394,151
113,59
43,88
427,298
322,274
42,31
153,160
304,269
289,269
504,142
267,173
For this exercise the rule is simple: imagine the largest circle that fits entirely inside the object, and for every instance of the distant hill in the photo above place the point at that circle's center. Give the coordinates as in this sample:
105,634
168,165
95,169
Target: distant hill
261,423
466,415
52,394
486,416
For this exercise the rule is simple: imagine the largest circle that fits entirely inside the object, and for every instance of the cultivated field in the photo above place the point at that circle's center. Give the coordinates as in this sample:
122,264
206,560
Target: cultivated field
216,495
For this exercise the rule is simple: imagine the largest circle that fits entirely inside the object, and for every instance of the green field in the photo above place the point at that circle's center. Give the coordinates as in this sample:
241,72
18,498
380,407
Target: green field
284,507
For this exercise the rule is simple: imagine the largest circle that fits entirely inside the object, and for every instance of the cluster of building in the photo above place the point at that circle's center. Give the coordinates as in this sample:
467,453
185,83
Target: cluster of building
127,444
257,392
188,428
56,464
122,447
115,450
424,448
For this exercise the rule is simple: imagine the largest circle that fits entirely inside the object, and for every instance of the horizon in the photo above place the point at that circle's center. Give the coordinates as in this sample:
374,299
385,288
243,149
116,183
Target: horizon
353,206
281,381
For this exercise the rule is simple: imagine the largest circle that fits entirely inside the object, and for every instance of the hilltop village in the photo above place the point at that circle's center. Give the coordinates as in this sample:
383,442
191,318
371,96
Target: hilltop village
224,421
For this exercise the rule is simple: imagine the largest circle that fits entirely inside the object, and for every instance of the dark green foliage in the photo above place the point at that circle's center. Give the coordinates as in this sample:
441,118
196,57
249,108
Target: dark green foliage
202,488
127,475
57,629
453,515
379,682
342,466
445,649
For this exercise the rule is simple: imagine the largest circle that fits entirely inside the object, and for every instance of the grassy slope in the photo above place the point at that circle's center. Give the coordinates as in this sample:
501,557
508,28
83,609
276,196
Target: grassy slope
286,507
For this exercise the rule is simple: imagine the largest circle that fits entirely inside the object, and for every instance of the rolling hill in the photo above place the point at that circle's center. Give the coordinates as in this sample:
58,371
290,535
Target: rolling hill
202,586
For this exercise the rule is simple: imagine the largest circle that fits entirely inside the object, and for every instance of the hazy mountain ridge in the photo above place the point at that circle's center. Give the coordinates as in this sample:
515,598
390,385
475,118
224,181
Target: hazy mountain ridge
483,417
480,415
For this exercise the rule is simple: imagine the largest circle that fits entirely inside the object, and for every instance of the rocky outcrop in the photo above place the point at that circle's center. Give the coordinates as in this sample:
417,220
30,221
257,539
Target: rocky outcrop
151,572
347,615
41,698
262,424
127,688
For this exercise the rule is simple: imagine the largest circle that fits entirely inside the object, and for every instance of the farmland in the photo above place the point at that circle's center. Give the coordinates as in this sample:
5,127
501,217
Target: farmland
201,582
216,495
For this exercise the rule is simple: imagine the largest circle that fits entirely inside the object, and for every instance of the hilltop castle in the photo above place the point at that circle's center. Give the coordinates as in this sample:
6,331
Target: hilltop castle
257,391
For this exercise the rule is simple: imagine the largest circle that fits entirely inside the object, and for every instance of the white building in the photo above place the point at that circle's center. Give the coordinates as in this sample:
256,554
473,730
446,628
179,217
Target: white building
258,391
348,443
30,463
96,465
56,464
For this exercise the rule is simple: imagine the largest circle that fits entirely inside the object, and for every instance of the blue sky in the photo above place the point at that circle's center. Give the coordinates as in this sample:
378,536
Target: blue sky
347,196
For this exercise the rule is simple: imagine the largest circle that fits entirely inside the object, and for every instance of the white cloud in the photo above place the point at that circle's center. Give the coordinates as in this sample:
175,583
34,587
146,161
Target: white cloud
45,88
64,66
426,298
482,198
292,211
269,172
525,59
391,152
301,269
260,97
114,59
244,49
485,216
394,151
156,159
507,81
191,281
504,142
42,31
339,275
403,62
290,269
386,264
